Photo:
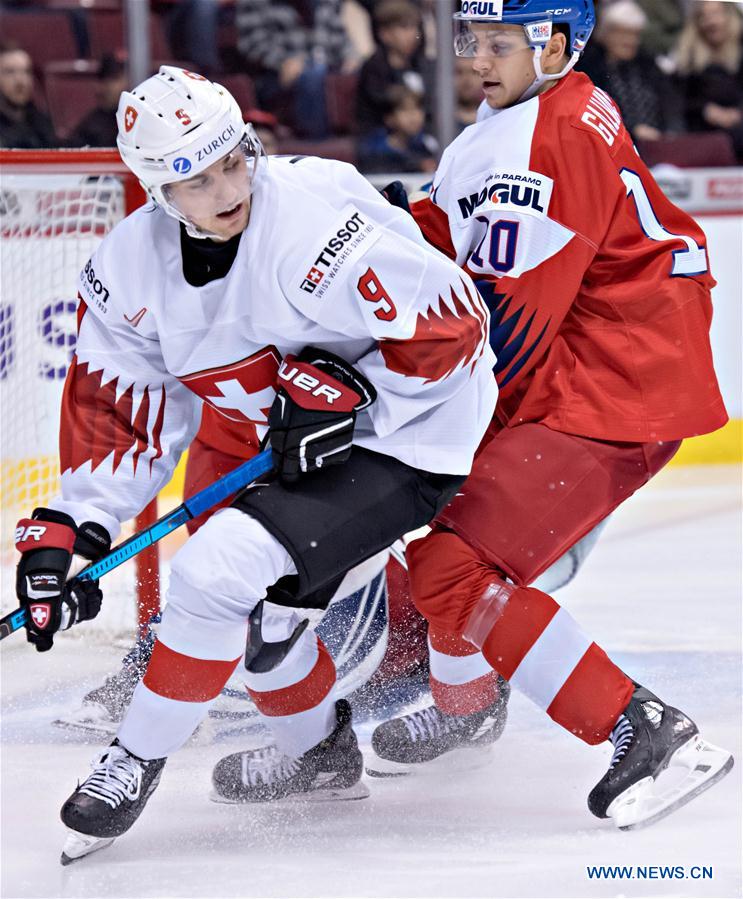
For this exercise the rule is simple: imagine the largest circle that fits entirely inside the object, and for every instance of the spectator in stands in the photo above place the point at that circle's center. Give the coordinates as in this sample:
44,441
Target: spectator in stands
398,60
289,54
192,33
709,59
98,127
357,21
649,101
401,145
266,126
468,92
664,21
22,124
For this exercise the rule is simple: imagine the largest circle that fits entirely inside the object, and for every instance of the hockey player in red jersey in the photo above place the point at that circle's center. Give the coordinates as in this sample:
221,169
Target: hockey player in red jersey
355,349
599,293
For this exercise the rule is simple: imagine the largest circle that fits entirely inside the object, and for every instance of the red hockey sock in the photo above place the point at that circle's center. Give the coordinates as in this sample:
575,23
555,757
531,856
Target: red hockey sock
462,681
302,695
176,676
539,647
524,634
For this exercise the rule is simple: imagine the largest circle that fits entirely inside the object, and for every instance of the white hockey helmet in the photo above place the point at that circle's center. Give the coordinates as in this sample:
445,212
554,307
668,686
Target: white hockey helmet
174,125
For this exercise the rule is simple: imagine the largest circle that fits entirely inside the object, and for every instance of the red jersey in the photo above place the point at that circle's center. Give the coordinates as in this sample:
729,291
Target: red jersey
598,286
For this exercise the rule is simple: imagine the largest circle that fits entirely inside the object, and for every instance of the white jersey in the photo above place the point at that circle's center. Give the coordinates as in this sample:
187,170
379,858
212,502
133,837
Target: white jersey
325,261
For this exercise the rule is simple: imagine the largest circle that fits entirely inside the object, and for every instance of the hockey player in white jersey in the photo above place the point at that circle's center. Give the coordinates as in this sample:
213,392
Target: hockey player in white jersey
295,300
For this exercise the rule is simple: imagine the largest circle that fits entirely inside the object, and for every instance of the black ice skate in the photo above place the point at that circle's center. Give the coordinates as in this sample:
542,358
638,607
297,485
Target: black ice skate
103,708
649,738
330,770
107,804
406,744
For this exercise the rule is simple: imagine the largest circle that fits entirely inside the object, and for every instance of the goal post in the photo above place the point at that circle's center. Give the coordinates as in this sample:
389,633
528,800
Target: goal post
55,207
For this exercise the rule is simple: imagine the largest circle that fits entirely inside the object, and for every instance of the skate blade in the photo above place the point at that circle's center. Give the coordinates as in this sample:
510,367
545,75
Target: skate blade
327,794
650,800
91,720
456,761
78,845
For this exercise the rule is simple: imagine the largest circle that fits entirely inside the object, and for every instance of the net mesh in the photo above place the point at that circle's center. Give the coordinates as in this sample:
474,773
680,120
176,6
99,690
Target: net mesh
50,225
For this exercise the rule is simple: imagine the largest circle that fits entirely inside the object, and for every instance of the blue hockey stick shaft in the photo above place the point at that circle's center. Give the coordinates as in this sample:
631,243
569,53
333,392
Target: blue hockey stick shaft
221,489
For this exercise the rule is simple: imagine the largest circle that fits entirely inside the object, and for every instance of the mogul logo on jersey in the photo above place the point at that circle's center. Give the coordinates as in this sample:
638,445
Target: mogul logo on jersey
344,240
527,192
482,9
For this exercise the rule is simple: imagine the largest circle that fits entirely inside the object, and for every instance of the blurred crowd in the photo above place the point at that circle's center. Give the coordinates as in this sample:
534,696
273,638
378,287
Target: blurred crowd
354,79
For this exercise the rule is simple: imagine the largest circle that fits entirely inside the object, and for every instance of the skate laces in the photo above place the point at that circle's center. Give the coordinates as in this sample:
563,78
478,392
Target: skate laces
429,723
621,737
116,776
267,766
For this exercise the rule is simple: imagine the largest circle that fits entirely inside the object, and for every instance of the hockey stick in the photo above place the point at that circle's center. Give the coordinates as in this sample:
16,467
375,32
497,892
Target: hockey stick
221,489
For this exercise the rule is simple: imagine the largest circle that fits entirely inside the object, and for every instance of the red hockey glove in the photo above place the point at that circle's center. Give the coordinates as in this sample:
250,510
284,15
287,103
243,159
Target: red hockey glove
47,542
312,419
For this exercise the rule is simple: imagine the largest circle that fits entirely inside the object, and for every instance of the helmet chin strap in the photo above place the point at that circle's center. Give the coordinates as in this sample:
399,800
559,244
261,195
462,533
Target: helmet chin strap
542,77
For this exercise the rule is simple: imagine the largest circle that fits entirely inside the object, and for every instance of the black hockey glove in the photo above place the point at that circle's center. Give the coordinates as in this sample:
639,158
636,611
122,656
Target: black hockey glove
47,542
312,418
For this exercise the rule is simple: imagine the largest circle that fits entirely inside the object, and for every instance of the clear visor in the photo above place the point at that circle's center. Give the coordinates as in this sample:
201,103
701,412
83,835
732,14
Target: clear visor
221,187
494,39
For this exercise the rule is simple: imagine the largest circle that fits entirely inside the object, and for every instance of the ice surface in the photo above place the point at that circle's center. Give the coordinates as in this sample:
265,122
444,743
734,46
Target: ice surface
661,592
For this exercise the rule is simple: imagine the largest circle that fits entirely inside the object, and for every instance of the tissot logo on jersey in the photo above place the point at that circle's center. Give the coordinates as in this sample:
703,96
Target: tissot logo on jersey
313,277
341,237
527,192
336,250
95,289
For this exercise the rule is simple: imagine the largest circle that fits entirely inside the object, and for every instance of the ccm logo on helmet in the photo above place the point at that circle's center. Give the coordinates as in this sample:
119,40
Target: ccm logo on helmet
218,142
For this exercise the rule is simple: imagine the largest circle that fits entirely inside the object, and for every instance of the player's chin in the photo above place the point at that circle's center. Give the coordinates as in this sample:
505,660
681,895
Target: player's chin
495,94
232,221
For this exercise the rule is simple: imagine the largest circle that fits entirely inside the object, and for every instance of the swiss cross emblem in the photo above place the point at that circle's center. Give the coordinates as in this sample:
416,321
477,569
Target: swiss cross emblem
243,391
130,117
40,612
315,275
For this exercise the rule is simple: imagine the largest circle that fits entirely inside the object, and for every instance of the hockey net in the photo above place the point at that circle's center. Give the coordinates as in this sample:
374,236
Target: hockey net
55,207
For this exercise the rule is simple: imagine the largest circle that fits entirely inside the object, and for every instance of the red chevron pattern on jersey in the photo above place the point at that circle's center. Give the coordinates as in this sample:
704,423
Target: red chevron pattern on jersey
443,341
96,423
